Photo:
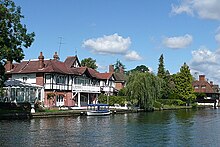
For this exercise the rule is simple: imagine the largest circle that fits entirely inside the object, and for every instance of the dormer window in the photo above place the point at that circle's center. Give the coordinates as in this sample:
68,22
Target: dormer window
203,86
196,87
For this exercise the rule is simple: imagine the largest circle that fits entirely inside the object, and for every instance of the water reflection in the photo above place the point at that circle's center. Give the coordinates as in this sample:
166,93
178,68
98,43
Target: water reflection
164,128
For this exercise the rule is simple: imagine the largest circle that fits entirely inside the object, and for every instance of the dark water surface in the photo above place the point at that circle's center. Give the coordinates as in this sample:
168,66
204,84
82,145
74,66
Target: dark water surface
164,128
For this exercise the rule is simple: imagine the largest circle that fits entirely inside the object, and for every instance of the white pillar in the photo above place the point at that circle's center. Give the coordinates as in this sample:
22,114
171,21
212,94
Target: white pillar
79,105
88,99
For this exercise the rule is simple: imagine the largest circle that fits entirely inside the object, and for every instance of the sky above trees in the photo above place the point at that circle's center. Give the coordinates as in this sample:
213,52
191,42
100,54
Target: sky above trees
135,32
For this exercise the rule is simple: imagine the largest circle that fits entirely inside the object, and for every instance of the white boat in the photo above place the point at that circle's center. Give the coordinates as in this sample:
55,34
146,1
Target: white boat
98,110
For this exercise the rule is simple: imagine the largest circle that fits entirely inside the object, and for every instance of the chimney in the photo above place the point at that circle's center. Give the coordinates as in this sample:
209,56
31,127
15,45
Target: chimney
55,56
211,83
201,77
41,60
8,66
121,69
111,68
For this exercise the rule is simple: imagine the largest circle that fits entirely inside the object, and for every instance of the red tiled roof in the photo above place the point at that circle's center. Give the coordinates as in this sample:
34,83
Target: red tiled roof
71,60
55,66
207,89
104,76
33,67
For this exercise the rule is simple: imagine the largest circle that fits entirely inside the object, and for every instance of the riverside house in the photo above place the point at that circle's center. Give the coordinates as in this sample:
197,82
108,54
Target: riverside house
64,83
208,88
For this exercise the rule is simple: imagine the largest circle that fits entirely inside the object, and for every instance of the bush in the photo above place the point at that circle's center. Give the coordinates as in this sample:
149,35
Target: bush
177,102
112,99
158,104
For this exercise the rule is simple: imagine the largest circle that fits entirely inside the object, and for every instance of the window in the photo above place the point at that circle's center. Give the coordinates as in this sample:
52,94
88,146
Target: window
48,77
24,79
196,87
203,86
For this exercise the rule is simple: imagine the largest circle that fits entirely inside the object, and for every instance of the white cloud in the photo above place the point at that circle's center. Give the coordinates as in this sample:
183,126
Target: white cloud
132,56
101,67
181,9
206,62
206,9
112,44
178,42
217,35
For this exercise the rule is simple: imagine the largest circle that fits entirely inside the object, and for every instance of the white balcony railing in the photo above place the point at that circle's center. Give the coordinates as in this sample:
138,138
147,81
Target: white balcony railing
85,88
107,89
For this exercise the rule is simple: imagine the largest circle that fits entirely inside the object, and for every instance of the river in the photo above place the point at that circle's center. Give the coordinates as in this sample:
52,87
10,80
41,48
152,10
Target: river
162,128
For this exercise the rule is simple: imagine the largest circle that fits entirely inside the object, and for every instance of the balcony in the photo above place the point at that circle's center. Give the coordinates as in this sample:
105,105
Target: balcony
107,89
86,88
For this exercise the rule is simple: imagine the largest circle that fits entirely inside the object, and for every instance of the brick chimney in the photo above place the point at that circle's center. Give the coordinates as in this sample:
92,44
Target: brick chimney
111,68
201,77
121,69
41,61
8,66
211,83
55,56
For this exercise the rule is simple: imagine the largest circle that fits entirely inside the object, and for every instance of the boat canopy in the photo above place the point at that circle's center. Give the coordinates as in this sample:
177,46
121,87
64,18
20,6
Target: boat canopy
98,105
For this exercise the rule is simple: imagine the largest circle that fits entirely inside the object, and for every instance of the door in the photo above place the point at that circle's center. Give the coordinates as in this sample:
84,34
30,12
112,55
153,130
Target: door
59,100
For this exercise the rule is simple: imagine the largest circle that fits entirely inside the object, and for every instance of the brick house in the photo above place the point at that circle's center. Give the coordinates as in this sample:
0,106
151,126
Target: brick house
208,88
64,83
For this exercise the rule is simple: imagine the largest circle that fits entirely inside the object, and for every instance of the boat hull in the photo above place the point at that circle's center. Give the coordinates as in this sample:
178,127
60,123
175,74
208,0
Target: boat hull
97,113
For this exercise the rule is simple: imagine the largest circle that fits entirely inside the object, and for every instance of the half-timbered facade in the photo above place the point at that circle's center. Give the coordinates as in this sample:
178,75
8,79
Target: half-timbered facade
64,83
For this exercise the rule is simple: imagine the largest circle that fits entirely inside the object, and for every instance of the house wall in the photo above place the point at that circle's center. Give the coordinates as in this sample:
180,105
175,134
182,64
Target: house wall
31,78
119,86
40,79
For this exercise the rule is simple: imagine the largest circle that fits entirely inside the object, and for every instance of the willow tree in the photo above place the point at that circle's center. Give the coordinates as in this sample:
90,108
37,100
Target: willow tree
143,88
183,84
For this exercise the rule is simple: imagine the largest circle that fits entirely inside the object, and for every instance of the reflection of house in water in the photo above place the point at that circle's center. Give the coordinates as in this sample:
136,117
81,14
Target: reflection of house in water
208,88
63,83
17,91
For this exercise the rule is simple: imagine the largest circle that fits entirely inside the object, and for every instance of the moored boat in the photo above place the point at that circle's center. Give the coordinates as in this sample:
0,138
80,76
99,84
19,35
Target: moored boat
98,109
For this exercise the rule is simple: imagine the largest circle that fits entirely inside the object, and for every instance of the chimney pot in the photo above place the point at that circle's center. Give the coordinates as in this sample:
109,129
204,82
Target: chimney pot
41,60
55,56
111,68
201,77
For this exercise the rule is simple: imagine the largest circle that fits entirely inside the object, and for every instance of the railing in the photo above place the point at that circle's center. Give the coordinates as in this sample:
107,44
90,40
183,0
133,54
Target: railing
85,88
107,89
56,86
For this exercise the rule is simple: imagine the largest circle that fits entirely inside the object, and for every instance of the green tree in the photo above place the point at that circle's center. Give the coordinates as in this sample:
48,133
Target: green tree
161,69
118,65
183,84
89,62
143,88
13,35
141,68
165,76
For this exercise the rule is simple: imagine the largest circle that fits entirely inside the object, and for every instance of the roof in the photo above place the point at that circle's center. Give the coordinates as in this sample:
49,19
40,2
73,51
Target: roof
33,67
69,62
119,77
207,89
104,76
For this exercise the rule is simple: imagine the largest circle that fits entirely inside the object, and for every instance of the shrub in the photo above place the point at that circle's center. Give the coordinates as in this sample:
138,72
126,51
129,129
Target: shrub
177,102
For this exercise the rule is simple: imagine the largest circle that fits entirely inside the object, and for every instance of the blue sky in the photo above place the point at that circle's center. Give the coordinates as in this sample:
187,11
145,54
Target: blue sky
135,32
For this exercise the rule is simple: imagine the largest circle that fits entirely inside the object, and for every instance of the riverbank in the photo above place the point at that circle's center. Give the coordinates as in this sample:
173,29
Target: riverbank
78,112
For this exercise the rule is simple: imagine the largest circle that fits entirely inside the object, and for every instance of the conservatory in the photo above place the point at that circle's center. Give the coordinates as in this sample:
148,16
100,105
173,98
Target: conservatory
18,92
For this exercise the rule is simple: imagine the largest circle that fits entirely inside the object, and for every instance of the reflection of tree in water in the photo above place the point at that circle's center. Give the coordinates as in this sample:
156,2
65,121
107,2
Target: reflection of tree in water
183,122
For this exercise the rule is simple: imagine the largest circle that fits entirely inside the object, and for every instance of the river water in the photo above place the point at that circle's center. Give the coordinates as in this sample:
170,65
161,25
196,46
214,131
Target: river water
162,128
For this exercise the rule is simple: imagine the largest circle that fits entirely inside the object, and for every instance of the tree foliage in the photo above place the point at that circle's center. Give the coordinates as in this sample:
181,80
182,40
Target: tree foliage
118,65
183,84
141,68
143,88
161,69
89,62
14,34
